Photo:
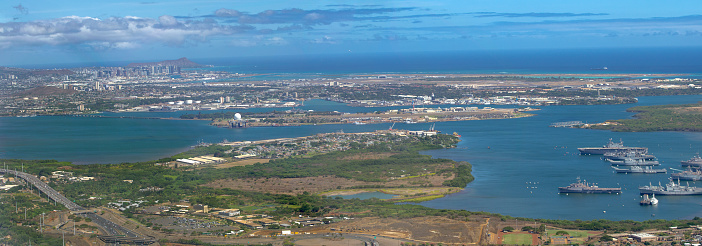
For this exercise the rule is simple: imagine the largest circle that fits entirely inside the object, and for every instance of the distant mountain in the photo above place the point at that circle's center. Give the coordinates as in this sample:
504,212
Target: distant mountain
182,62
34,72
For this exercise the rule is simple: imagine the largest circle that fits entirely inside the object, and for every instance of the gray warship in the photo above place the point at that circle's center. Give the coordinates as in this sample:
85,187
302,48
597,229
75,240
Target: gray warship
671,189
611,147
584,187
634,162
639,169
689,174
694,162
621,155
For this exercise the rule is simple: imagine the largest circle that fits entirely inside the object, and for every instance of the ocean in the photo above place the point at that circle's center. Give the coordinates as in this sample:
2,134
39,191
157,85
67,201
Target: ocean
555,61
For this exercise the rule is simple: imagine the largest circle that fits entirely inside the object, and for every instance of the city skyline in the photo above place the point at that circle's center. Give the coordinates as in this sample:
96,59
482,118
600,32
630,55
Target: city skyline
84,31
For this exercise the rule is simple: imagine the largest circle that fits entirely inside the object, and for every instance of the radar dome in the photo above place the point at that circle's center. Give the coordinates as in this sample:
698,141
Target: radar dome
237,116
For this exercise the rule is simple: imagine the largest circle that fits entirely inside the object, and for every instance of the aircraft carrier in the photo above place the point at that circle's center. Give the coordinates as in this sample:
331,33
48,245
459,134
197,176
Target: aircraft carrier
611,147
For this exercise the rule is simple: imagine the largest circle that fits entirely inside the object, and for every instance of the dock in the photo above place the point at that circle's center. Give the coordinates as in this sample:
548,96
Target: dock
567,124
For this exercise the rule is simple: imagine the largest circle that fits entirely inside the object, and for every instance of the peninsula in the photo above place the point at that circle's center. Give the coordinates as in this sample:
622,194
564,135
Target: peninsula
680,117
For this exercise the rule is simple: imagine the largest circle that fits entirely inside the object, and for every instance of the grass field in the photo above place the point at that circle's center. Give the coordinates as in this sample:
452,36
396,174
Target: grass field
517,239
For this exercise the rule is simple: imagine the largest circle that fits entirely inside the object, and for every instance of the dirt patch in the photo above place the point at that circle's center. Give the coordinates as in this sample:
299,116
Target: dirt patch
239,163
423,229
316,184
368,156
688,110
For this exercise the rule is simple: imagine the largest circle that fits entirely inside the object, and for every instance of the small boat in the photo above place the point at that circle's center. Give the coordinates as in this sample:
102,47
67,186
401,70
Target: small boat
649,201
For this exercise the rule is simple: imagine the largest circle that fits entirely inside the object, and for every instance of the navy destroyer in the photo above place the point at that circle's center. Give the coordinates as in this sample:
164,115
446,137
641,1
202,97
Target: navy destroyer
694,162
621,155
639,169
634,162
689,174
671,189
584,187
611,147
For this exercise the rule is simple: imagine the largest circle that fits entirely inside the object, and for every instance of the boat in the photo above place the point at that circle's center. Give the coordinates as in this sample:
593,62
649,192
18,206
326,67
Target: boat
584,187
694,162
689,174
599,68
633,162
621,155
358,123
671,189
610,147
639,169
649,201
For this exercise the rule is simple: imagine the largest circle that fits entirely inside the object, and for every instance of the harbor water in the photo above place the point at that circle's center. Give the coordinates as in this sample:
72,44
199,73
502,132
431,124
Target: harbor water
518,163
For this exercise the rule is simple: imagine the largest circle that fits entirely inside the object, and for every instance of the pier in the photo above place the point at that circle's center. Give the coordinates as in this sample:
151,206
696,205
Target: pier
567,124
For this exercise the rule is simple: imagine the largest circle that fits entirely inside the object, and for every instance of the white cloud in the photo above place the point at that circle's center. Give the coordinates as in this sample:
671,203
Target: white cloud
113,33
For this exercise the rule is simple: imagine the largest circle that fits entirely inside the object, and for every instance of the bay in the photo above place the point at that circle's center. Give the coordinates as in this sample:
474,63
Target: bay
518,163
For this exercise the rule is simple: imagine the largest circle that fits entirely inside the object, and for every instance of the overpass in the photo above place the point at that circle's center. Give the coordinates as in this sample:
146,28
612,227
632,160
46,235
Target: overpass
110,228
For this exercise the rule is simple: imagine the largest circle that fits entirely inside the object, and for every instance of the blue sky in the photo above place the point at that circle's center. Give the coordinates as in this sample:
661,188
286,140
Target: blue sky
42,31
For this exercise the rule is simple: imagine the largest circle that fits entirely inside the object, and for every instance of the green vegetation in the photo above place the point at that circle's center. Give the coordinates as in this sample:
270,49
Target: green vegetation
517,239
687,117
12,212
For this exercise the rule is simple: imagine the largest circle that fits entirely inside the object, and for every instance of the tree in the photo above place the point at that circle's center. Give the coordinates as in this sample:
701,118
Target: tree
606,238
508,229
562,233
527,228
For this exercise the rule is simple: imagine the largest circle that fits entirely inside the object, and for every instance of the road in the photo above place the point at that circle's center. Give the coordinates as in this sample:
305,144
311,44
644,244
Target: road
108,226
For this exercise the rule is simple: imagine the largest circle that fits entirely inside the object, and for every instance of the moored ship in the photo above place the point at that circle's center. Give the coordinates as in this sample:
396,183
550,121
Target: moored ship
671,189
634,162
639,169
694,162
689,174
611,147
649,201
621,155
584,187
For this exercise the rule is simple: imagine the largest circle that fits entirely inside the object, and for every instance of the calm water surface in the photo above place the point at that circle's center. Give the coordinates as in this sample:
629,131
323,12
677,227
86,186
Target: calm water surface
518,163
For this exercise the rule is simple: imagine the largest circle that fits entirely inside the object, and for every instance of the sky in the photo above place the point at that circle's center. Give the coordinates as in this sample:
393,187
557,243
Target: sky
49,31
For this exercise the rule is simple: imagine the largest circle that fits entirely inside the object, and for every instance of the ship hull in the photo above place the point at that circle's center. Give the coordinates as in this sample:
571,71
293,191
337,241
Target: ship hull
621,158
686,177
670,193
693,164
591,191
646,171
602,151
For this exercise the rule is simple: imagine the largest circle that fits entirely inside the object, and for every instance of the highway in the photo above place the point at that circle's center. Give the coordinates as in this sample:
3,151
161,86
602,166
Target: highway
108,226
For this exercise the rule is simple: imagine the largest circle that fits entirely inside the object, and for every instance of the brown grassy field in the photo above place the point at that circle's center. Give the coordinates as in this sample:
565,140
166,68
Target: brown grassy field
314,184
